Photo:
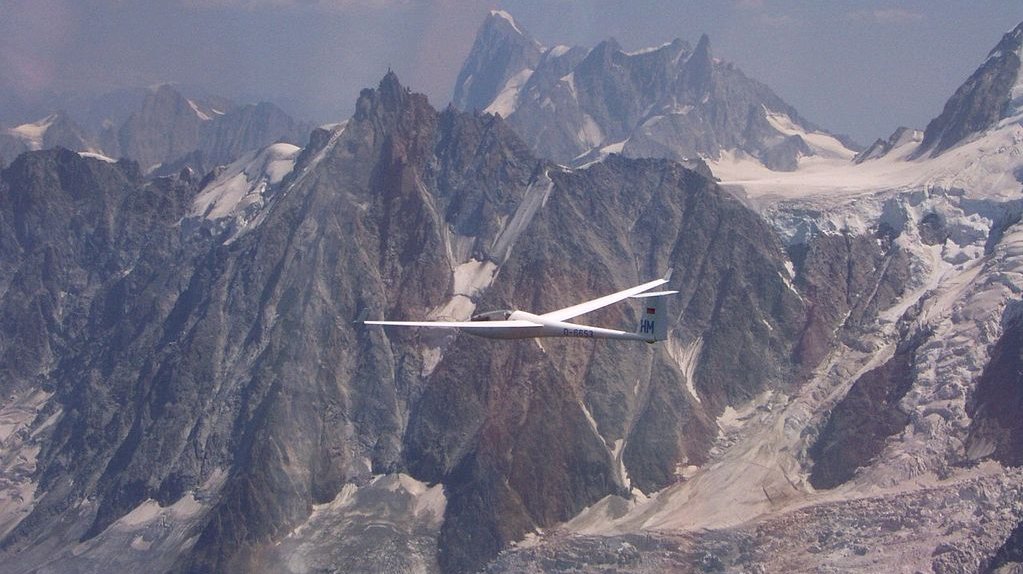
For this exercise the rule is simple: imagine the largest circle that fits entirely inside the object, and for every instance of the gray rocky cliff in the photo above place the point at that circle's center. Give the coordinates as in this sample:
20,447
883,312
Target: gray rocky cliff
995,429
65,132
856,429
898,446
167,126
987,96
71,226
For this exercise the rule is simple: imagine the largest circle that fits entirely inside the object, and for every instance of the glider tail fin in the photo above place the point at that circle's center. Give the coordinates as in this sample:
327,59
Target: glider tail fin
653,322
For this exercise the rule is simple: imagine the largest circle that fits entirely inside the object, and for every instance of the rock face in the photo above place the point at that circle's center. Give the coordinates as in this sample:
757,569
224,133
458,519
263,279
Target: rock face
996,430
85,242
170,126
858,426
993,92
248,127
675,101
167,126
1009,557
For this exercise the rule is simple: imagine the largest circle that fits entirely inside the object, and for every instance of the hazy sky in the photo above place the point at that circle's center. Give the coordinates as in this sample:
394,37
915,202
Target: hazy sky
857,67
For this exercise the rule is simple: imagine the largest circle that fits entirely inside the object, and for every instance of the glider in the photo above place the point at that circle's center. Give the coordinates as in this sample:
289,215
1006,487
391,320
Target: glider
508,324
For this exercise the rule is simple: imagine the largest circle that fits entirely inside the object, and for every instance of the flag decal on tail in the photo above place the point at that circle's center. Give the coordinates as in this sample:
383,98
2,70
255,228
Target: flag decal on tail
651,310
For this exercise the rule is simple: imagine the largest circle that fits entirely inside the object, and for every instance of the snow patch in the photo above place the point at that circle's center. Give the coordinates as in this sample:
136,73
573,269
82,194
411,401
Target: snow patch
149,534
821,143
642,51
569,81
534,198
32,134
198,112
507,101
243,187
558,51
470,279
983,168
508,17
686,357
589,132
99,156
616,147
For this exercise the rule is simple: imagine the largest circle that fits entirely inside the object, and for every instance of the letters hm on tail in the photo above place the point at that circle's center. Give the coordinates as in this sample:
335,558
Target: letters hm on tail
516,324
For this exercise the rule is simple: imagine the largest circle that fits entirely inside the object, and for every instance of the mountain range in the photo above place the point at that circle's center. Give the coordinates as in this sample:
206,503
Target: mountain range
184,389
675,101
159,128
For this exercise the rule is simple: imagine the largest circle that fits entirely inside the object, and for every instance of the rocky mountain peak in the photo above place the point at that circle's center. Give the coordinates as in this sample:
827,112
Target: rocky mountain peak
900,137
1012,41
698,70
500,52
389,96
166,126
390,87
993,92
389,99
501,22
162,97
606,48
1012,45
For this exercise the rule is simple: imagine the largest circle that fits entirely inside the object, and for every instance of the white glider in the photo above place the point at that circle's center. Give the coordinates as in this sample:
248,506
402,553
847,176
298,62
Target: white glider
507,324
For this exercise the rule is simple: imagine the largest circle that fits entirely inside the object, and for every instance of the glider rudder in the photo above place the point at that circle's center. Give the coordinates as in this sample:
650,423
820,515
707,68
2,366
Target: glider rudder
653,322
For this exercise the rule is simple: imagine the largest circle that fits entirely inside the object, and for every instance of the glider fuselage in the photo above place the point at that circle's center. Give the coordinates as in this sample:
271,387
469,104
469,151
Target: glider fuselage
544,327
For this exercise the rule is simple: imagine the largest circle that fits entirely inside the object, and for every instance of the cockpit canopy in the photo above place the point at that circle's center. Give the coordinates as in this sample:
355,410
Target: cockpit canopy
501,315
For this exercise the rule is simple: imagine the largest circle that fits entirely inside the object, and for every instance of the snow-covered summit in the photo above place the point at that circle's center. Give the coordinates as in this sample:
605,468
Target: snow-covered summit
506,17
240,191
500,39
